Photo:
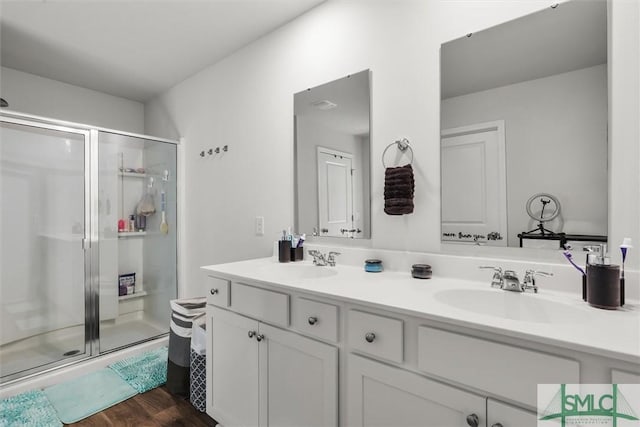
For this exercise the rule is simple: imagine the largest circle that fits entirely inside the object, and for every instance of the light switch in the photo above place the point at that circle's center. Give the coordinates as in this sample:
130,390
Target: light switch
259,226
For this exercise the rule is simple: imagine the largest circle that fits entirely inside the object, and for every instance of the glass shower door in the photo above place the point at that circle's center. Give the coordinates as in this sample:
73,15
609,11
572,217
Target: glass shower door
137,230
43,265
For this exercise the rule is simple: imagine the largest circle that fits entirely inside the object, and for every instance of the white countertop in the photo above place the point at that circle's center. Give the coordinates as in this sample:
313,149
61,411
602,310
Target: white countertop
609,333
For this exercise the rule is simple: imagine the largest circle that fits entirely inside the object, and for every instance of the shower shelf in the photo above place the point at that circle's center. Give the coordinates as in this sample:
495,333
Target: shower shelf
124,234
132,296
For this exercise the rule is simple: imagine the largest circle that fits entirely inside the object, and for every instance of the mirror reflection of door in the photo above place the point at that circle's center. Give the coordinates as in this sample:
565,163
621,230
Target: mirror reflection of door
474,205
544,75
334,116
335,192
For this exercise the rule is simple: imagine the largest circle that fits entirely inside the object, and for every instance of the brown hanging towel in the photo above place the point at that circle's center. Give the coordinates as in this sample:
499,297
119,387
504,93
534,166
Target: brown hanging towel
399,186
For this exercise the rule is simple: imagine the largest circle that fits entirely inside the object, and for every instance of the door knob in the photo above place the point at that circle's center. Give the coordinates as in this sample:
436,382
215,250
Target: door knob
370,337
213,291
251,334
259,337
312,320
473,420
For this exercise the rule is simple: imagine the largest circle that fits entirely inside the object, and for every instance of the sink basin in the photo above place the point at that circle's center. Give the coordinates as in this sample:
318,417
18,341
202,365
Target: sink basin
305,271
523,307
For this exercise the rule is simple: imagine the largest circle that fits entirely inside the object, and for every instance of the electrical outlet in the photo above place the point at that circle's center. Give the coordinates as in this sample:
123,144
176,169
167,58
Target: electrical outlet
259,226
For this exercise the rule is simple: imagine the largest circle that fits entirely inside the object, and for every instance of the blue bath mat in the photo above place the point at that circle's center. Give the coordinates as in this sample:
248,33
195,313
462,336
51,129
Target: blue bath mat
145,371
82,397
29,409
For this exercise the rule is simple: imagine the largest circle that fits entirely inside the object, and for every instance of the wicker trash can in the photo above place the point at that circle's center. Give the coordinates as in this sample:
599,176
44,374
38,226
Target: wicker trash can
183,313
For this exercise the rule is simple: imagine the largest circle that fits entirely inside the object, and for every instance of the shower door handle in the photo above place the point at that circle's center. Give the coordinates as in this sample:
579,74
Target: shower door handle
86,245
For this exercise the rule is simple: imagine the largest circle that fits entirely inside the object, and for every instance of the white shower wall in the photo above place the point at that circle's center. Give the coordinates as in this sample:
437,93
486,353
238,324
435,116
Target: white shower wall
42,225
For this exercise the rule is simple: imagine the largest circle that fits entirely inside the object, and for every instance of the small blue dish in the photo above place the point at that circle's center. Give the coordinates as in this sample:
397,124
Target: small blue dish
373,266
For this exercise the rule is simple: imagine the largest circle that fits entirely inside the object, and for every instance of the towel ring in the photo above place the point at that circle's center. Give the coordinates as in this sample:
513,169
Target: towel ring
402,145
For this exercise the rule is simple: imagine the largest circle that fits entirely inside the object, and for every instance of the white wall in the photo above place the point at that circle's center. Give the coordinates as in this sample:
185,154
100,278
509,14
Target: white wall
28,93
548,121
246,101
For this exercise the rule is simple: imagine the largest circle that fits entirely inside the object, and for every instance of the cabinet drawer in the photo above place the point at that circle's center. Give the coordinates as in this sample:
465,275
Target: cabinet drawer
217,291
260,304
499,413
507,371
621,377
376,335
315,318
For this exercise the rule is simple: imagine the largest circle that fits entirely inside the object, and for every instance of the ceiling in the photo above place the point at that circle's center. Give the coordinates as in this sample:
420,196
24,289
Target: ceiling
132,48
557,40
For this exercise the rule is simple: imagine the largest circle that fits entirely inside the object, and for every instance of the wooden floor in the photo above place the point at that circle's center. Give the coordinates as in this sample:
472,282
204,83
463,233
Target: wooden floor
155,408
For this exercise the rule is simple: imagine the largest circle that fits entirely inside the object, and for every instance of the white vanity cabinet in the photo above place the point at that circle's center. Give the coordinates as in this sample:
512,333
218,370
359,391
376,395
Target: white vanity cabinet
261,375
233,370
500,414
382,395
298,355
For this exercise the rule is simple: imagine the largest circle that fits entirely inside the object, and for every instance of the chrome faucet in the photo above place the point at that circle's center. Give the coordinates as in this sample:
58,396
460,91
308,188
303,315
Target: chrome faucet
508,280
331,259
496,280
318,258
529,281
321,260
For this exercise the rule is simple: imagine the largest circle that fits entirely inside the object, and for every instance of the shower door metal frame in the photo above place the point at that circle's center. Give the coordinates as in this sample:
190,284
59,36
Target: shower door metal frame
89,230
91,241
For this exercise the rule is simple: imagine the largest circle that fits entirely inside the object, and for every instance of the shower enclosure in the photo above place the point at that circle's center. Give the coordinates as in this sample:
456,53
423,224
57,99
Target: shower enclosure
85,265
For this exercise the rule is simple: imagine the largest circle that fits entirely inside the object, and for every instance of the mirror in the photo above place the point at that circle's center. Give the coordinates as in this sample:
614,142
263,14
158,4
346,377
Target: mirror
332,158
524,109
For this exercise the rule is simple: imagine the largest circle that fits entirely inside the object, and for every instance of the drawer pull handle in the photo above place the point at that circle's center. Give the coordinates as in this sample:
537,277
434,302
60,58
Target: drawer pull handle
313,320
370,337
214,291
260,337
497,425
251,334
473,420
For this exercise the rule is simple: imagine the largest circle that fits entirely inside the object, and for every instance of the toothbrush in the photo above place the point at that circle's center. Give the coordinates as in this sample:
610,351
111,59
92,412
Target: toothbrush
626,244
567,254
569,258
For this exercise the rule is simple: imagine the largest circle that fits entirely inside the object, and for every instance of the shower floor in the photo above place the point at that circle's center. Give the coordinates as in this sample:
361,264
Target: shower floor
50,348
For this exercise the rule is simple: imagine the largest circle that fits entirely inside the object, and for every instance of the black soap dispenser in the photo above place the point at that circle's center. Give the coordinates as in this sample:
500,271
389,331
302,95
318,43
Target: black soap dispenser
603,281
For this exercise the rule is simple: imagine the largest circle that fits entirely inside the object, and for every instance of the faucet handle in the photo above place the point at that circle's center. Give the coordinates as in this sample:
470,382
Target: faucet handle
532,273
497,280
331,258
490,267
529,281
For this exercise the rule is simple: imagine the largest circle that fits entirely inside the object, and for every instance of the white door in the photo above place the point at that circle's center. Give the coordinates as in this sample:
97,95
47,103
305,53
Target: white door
499,413
335,192
474,195
234,380
384,396
298,380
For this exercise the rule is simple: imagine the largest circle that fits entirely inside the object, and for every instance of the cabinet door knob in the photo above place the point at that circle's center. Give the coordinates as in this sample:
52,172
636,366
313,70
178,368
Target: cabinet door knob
370,337
313,320
497,425
213,291
251,334
259,337
473,420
